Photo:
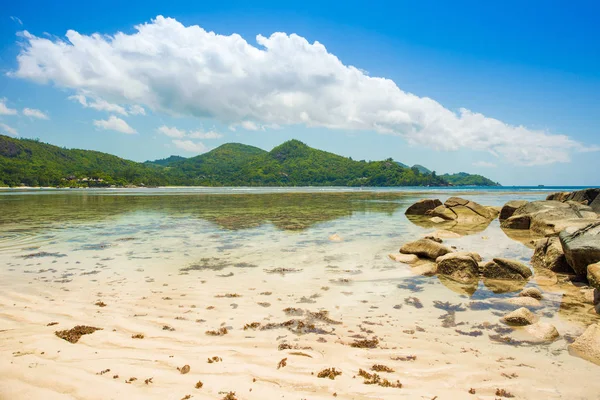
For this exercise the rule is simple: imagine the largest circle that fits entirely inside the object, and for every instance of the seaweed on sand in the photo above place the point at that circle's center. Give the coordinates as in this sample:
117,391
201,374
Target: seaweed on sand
73,335
381,368
365,343
222,331
282,363
374,379
413,301
446,306
251,325
330,373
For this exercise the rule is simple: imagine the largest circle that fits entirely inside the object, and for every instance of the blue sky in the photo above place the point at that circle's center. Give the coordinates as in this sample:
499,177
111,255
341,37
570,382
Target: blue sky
526,75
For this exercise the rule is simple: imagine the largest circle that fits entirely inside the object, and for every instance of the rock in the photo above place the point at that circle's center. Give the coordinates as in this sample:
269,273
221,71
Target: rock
434,238
509,208
543,332
595,205
517,222
593,275
528,302
444,234
185,369
501,268
404,258
427,268
469,211
437,220
494,210
503,285
558,196
519,317
461,267
463,289
587,346
335,238
443,213
549,254
425,248
422,206
545,277
585,196
549,217
581,246
531,292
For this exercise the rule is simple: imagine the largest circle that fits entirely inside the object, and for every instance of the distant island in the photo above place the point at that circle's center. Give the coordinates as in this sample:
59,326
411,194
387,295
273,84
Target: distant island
27,162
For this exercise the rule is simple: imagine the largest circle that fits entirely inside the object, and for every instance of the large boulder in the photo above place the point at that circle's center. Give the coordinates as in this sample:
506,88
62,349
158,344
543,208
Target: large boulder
443,212
585,196
501,268
587,346
558,196
461,267
425,248
469,211
595,205
549,217
422,206
509,208
549,254
581,246
519,317
593,275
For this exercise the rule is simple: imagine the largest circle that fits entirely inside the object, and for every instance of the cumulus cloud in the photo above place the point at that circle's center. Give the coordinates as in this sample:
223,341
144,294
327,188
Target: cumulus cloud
484,164
200,134
171,131
99,104
7,130
4,110
285,80
34,113
192,147
114,124
137,110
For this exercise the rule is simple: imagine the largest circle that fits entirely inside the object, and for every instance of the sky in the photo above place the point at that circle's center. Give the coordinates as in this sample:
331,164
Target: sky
509,90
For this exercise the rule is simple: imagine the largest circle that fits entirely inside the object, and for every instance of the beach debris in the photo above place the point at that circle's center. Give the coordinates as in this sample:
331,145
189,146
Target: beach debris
103,372
282,363
184,370
52,323
292,311
168,328
266,293
100,303
299,353
138,336
471,391
404,358
228,295
73,335
230,396
115,376
504,393
214,359
148,381
365,343
381,368
132,379
251,325
413,301
222,331
264,304
186,397
446,306
199,385
330,373
470,333
374,379
281,270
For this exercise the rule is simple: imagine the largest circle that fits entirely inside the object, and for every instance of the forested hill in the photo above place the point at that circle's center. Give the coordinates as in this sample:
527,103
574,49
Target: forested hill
32,163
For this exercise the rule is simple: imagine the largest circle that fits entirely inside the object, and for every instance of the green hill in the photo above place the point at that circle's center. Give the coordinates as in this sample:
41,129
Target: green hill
422,169
293,163
464,179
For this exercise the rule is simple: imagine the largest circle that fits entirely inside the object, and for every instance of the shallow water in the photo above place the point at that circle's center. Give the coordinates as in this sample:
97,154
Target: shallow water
139,242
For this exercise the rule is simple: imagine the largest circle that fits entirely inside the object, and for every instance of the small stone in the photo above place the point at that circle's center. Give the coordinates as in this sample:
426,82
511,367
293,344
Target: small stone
185,369
543,332
531,292
587,346
335,238
519,317
404,258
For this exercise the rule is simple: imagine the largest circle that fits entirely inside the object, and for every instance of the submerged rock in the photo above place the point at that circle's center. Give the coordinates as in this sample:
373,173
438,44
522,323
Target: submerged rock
587,346
531,292
461,266
501,268
404,258
581,246
504,285
543,332
509,208
422,206
549,254
593,275
528,302
519,317
425,248
464,289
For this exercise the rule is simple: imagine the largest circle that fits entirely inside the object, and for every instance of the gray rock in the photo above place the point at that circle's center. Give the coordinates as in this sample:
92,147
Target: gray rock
501,268
461,267
581,246
519,317
509,208
517,222
422,206
593,275
587,346
425,248
549,254
443,212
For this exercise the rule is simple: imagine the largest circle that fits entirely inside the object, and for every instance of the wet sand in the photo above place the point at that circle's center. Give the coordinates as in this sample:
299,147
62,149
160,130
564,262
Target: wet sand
310,299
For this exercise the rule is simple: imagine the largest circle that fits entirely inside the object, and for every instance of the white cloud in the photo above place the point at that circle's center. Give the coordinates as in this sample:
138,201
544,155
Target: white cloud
484,164
171,131
4,110
285,80
199,134
192,147
115,124
17,20
99,104
7,130
34,113
137,110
